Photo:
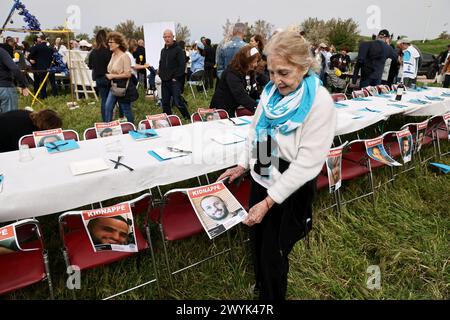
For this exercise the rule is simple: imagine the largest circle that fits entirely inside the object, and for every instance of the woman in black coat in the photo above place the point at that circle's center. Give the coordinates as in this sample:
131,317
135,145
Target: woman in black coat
238,86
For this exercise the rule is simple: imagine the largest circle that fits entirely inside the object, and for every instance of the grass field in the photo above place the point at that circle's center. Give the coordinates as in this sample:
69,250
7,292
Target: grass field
406,235
432,46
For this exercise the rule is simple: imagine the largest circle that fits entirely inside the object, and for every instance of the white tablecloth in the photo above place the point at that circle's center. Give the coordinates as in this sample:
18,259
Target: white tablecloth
361,114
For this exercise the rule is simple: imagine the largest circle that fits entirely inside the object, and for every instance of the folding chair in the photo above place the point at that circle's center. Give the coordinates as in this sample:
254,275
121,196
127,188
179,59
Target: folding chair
174,120
427,139
393,149
360,94
91,133
178,221
28,266
242,112
195,117
383,89
439,130
356,163
371,91
338,97
197,83
29,138
394,87
78,250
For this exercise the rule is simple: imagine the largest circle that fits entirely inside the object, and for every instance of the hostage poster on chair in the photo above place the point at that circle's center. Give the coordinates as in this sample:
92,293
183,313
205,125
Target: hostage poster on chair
43,137
111,229
109,129
405,141
158,121
208,115
420,135
216,208
334,168
447,122
8,240
375,150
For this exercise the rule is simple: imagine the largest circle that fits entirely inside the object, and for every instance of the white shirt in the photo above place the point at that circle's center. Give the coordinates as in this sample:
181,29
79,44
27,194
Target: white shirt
410,62
133,63
306,149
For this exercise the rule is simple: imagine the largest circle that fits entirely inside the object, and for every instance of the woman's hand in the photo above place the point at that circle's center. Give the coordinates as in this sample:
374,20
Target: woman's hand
109,76
258,212
232,174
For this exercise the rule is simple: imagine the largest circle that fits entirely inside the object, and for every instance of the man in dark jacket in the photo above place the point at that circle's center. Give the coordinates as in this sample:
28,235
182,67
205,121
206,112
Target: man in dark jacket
372,58
8,91
172,65
41,57
210,61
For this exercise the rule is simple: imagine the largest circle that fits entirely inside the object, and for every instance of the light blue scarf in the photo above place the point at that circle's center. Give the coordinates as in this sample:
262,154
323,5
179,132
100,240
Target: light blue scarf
286,113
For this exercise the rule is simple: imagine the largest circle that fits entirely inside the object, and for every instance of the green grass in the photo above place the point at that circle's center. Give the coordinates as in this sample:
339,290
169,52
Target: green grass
406,236
432,46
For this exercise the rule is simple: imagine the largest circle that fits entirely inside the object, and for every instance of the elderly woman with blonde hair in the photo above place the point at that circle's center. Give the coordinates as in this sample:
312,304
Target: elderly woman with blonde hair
287,146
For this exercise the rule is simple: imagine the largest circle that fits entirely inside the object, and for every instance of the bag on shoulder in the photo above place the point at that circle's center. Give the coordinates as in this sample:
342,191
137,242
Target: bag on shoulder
119,91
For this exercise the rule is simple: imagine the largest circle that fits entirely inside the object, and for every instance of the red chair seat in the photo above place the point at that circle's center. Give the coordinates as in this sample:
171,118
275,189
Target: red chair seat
322,182
352,170
180,214
82,254
21,269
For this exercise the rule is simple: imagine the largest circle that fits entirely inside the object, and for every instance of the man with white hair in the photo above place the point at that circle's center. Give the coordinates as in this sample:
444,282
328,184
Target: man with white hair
227,52
171,71
410,62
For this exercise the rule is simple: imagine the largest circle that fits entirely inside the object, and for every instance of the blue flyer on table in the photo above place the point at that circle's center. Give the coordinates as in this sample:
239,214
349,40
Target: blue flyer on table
61,146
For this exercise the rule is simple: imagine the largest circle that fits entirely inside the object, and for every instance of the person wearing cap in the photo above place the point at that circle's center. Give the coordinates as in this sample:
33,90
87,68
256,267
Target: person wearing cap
410,61
372,58
237,87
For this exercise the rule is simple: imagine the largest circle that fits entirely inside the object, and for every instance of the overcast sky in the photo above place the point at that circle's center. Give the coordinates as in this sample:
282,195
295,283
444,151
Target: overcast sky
403,17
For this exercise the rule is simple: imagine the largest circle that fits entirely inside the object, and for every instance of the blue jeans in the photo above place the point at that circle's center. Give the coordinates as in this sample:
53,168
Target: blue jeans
151,79
103,91
8,99
109,108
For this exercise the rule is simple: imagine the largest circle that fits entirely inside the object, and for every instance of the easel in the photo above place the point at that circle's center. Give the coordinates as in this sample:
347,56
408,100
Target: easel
81,76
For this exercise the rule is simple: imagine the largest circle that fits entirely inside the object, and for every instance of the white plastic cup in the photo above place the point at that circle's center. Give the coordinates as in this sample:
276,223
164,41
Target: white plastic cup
25,153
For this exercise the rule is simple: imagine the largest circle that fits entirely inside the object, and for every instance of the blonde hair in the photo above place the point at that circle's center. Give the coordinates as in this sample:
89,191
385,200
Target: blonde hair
292,47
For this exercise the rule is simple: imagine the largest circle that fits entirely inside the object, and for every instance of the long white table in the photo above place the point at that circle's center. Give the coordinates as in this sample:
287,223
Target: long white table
46,185
356,116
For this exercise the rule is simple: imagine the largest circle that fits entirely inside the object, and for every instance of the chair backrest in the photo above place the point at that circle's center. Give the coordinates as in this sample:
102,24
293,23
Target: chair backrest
371,91
174,120
29,138
22,268
242,112
338,97
360,94
382,88
394,87
223,114
91,133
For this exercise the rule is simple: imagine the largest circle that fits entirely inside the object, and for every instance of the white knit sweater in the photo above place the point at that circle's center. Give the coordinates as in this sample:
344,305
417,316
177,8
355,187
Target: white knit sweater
305,149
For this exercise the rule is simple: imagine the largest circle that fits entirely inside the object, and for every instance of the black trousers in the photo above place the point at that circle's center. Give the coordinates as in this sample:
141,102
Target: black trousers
273,239
172,90
446,83
209,77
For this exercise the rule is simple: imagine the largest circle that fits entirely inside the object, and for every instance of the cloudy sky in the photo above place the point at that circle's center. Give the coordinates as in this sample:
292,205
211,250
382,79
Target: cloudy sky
403,17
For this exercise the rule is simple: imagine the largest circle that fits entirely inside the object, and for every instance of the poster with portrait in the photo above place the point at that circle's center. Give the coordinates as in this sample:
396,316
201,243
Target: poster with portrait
406,144
8,240
108,129
216,208
420,135
375,150
334,168
111,229
159,121
447,122
208,115
48,136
